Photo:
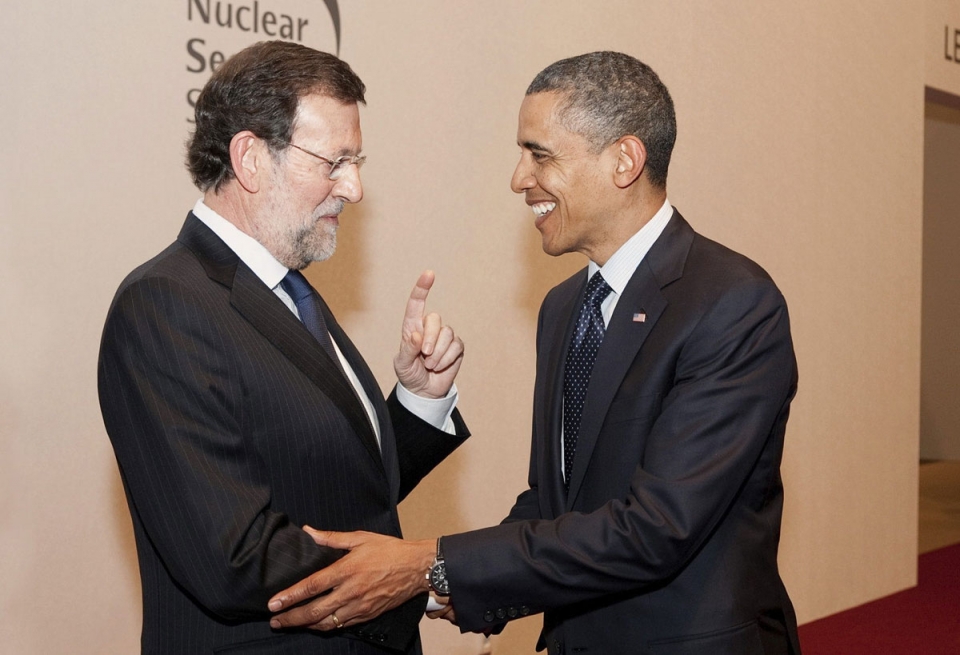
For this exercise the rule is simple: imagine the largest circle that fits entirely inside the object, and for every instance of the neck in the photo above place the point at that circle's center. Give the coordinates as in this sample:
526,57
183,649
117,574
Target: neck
232,206
628,220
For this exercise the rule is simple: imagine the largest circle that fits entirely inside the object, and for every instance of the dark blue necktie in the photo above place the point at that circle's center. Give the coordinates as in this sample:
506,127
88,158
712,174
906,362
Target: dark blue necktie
580,359
308,305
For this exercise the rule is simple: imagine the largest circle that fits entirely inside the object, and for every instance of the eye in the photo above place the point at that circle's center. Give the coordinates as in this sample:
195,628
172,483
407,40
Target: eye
340,164
538,156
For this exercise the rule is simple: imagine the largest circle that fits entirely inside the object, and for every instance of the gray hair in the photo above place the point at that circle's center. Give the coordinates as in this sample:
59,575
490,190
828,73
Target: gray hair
609,95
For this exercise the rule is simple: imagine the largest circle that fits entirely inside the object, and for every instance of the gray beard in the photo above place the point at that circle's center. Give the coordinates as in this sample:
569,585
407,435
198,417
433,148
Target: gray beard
313,244
297,246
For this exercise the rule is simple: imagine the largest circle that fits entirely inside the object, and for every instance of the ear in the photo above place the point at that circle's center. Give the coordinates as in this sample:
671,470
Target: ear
631,158
248,158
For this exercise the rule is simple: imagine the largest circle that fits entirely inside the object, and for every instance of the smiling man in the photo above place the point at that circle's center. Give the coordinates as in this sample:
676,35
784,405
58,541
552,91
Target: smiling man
665,372
238,409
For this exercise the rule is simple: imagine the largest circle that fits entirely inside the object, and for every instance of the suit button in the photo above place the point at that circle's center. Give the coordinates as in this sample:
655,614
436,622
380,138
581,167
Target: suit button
558,648
524,610
512,612
381,637
501,614
488,616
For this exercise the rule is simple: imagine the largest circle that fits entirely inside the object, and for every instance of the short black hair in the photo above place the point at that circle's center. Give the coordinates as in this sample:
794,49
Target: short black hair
609,95
259,89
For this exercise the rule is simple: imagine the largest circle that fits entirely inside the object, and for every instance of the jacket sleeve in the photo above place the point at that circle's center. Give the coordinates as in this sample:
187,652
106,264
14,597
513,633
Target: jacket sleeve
420,446
730,390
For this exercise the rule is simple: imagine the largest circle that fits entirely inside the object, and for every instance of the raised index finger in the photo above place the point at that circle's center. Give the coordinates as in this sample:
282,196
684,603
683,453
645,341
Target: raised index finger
413,316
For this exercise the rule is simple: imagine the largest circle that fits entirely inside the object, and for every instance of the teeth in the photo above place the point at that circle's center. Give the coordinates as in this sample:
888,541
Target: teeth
542,208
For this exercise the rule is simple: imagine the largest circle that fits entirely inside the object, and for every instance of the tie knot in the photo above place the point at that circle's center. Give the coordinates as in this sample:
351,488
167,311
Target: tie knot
597,290
296,286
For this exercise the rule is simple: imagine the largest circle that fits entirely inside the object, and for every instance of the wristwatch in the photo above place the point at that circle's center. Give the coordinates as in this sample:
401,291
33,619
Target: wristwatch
437,575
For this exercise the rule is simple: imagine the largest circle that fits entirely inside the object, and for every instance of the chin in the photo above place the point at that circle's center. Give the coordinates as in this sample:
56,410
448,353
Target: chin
318,247
552,250
551,247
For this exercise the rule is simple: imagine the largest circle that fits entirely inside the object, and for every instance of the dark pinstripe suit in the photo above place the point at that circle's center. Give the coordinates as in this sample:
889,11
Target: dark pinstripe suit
232,428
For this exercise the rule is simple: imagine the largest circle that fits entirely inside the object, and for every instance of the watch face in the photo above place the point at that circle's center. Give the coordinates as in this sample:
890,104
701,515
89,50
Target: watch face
438,579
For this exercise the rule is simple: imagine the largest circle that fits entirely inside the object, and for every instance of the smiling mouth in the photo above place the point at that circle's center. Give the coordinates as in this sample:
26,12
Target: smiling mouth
541,209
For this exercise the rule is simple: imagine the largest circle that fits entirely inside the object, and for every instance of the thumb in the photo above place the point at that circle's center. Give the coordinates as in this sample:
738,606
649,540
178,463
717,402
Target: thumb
409,350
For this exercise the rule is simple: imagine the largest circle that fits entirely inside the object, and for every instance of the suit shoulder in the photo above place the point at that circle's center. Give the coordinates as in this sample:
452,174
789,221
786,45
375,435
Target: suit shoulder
716,269
714,277
708,255
174,274
174,261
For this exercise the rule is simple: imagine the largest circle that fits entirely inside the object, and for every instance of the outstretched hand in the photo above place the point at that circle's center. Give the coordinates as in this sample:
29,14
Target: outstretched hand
430,353
378,574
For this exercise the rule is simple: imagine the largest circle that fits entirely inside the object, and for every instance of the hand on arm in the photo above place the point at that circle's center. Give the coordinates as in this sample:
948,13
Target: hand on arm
378,574
430,353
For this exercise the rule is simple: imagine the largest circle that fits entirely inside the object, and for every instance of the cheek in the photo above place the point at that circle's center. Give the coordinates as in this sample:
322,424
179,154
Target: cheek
320,193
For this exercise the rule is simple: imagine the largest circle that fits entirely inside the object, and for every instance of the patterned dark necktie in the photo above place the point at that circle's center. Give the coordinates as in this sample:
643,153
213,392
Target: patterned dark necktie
580,359
308,304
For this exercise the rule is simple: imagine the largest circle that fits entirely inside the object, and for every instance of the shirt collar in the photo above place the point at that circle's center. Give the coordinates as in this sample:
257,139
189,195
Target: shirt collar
620,267
250,251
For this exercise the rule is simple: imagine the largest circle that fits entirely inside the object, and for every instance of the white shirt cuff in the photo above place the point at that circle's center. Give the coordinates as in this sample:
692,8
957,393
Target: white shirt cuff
435,411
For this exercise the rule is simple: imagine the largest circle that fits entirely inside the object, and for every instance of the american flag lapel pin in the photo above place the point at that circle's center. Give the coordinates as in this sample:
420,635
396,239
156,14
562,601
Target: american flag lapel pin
640,317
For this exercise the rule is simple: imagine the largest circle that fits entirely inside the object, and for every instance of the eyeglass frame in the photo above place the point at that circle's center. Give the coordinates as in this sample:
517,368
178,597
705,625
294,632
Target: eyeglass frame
338,165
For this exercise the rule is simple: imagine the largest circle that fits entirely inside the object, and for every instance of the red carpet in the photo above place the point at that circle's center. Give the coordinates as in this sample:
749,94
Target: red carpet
924,620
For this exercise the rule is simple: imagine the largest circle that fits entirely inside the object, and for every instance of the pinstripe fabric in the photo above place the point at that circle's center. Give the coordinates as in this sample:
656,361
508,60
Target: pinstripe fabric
232,428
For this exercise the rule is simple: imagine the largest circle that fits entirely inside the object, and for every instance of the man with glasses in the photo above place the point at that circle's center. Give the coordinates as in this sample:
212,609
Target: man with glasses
238,409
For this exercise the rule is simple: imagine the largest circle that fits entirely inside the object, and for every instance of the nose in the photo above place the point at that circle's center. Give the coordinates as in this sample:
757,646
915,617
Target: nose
348,186
523,179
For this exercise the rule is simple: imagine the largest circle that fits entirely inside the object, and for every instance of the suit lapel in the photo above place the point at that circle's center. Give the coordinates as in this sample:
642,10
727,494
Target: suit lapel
622,341
625,336
267,313
387,448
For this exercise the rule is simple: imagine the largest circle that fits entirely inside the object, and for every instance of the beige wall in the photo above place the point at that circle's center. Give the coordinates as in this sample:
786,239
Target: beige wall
940,369
801,136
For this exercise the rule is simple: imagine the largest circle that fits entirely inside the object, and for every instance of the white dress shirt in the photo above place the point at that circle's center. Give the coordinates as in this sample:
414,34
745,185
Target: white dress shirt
621,266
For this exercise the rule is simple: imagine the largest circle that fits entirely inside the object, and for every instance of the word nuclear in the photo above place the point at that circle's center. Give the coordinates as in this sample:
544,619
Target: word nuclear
247,18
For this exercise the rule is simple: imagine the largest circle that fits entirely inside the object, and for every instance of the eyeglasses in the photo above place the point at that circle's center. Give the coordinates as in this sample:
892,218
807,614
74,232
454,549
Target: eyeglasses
338,165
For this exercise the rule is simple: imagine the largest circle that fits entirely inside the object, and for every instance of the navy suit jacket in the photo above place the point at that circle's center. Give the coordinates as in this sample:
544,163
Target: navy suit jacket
233,428
667,541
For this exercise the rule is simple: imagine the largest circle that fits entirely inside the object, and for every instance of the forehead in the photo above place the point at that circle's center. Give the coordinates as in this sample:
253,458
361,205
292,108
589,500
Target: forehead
327,123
